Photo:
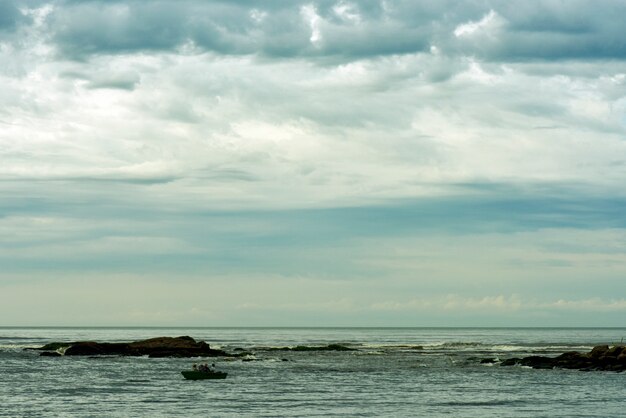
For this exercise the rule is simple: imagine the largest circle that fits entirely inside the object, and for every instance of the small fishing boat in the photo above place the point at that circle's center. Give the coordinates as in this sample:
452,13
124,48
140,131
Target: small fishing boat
198,375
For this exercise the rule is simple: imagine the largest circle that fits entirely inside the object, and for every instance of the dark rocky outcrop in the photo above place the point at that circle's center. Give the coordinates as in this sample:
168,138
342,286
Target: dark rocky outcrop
153,347
601,357
91,348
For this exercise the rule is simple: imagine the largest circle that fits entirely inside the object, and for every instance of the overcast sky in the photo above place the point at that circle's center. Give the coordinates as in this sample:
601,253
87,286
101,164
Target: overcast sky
317,163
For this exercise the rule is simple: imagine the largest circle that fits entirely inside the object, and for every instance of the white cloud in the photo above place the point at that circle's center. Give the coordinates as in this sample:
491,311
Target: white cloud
588,305
453,302
348,12
309,13
500,303
257,15
490,22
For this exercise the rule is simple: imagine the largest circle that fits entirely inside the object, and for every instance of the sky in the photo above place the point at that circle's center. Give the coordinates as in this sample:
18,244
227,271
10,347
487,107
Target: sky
312,163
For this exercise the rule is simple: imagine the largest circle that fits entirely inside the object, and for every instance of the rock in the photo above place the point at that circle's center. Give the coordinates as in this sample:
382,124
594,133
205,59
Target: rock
599,351
573,360
55,346
601,357
173,347
87,348
50,354
510,362
538,362
154,347
615,351
50,347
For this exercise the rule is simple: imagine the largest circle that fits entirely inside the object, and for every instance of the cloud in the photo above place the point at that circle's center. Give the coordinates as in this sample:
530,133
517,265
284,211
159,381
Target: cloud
381,127
10,17
546,30
93,27
310,15
82,29
432,146
123,81
502,303
111,228
589,305
489,21
132,299
552,30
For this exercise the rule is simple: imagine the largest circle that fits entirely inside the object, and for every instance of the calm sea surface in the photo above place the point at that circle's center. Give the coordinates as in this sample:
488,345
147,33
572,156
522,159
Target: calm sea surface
393,372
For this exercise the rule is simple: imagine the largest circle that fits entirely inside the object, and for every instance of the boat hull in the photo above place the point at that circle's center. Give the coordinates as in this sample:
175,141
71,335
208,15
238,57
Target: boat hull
196,375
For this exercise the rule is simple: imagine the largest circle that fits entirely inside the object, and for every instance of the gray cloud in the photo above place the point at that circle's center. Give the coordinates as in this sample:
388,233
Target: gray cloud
80,225
116,81
549,30
268,28
10,16
546,30
122,80
100,27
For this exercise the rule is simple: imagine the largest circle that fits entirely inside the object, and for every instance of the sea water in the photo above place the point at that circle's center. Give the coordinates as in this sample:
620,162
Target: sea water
392,372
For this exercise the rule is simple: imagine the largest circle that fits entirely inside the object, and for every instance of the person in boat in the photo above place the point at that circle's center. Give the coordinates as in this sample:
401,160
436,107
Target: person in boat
194,367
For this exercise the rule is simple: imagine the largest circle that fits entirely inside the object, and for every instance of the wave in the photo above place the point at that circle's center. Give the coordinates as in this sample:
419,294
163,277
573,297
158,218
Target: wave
456,346
404,347
478,347
485,403
15,346
509,347
15,338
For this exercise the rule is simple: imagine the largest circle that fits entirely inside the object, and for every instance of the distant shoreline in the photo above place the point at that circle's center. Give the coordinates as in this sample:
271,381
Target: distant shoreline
295,327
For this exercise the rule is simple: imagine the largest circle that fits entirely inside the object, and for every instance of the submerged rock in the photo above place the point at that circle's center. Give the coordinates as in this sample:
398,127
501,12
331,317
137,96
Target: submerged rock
329,347
601,357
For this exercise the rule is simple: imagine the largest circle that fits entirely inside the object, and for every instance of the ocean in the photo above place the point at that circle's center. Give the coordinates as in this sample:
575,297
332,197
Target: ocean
394,372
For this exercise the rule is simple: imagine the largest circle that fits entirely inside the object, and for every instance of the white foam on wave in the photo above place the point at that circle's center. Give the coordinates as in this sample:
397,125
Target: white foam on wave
369,353
15,346
564,347
455,345
508,348
388,346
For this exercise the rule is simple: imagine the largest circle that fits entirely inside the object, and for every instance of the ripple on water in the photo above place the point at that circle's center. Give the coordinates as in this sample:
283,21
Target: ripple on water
396,381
